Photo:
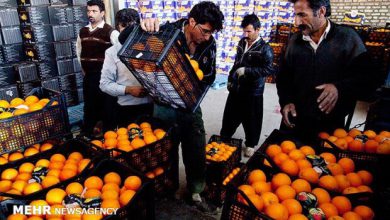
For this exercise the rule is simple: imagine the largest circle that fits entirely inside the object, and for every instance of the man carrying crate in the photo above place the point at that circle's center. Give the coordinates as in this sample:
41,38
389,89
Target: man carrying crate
196,37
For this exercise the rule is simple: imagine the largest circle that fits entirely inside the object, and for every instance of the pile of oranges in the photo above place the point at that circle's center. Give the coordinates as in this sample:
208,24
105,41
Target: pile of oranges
155,173
29,104
30,151
277,198
195,66
355,140
112,190
59,168
219,152
342,177
133,137
231,176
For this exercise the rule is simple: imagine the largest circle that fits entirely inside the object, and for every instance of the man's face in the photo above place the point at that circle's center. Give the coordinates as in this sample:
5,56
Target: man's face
308,21
250,33
94,14
200,32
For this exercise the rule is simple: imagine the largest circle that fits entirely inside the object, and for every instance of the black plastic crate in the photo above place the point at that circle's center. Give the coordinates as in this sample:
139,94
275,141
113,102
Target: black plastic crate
63,49
47,69
76,65
65,66
60,15
33,2
33,127
8,17
217,171
8,4
11,35
159,64
66,148
26,72
380,35
1,54
63,32
71,97
34,15
77,26
40,51
52,84
7,75
26,88
37,33
9,92
13,53
80,13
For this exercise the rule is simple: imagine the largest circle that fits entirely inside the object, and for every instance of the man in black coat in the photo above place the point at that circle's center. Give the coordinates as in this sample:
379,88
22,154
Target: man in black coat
253,63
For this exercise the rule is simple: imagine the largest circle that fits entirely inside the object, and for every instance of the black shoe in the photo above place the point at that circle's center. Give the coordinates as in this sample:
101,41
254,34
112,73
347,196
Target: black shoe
201,204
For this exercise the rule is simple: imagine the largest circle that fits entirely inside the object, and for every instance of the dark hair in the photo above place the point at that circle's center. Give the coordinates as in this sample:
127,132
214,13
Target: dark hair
126,17
98,3
204,12
317,4
251,19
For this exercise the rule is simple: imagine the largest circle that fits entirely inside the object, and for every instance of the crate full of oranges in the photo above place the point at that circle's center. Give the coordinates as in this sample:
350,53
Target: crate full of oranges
40,116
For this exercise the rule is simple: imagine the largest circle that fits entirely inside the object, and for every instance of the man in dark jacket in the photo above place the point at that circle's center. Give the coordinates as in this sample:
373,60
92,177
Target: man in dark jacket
253,63
323,72
197,40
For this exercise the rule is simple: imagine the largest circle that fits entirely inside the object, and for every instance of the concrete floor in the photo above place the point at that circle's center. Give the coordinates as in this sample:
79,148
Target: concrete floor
212,107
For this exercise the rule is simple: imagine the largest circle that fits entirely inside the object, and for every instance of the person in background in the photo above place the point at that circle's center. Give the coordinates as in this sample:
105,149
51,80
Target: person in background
92,42
253,63
323,72
196,38
117,80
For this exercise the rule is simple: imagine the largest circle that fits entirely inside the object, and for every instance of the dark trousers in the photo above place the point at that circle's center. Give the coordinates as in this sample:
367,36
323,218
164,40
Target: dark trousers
129,114
188,129
110,114
94,102
245,109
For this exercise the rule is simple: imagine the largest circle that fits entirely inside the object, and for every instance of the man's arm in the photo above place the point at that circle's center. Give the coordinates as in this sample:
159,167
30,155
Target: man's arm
284,81
266,69
114,37
109,76
78,48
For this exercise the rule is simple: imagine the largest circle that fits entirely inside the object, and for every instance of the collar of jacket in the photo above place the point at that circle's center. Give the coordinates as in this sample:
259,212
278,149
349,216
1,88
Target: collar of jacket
329,35
257,44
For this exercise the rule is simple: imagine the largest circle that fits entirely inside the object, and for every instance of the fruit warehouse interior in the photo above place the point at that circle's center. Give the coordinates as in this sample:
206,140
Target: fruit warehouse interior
135,170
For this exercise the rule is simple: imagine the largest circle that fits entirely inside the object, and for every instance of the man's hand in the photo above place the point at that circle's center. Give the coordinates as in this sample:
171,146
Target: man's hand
150,24
240,72
136,91
328,98
287,110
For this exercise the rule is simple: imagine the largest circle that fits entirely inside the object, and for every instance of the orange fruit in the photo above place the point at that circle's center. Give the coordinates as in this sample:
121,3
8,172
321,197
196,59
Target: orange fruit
110,135
110,194
150,138
126,196
17,217
269,198
110,186
287,146
302,164
24,176
122,131
280,179
30,151
340,133
9,174
26,168
280,158
385,134
83,164
158,171
137,143
92,193
285,192
350,190
342,182
5,185
365,176
370,134
273,150
371,146
3,161
67,174
70,166
347,164
46,146
32,188
349,139
293,206
150,175
383,148
159,133
354,132
351,216
328,182
19,185
309,174
341,143
277,211
290,167
49,181
307,150
132,125
93,182
335,169
364,188
256,175
261,187
110,203
112,177
356,146
257,201
332,139
42,163
4,104
354,179
54,209
97,143
133,183
296,155
144,125
31,99
194,64
38,204
55,173
5,115
16,102
247,190
342,204
336,218
56,165
329,209
328,157
57,158
74,188
92,216
379,138
322,195
15,156
365,212
76,156
297,217
301,185
55,196
110,143
323,135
